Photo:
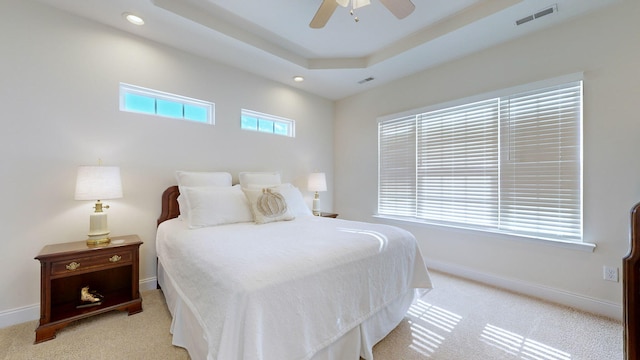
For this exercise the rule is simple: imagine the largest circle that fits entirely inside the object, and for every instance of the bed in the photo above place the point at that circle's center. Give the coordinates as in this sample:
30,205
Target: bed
301,287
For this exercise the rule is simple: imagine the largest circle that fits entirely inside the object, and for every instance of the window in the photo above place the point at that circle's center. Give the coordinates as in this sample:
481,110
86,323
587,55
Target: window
255,121
509,164
153,102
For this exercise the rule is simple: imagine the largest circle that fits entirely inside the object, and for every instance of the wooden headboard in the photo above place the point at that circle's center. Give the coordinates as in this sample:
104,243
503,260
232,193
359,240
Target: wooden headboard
631,290
170,208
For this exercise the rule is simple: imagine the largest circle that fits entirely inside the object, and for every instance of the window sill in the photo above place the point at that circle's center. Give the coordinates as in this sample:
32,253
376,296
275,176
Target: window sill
582,246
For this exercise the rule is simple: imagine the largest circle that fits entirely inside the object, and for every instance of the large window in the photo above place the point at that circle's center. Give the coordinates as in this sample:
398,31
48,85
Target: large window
509,163
147,101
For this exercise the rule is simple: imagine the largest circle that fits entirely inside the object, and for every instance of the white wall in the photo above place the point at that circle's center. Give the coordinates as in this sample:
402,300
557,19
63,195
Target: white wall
605,47
59,77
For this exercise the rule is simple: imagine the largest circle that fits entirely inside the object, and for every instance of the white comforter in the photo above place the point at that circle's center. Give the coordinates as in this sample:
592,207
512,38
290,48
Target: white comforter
285,290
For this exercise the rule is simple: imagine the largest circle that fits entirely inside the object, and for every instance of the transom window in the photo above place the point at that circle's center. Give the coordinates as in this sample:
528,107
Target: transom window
147,101
256,121
509,164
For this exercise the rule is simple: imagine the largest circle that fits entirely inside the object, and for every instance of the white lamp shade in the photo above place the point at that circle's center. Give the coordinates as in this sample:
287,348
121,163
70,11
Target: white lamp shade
98,183
317,182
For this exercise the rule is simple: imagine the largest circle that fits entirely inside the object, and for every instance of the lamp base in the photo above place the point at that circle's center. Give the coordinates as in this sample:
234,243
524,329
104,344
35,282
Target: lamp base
98,230
101,239
316,205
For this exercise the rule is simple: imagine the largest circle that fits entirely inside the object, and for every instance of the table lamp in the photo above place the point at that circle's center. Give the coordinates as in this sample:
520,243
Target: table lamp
98,183
317,182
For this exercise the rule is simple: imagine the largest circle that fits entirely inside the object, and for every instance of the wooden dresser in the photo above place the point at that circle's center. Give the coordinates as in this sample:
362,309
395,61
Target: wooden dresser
111,269
631,290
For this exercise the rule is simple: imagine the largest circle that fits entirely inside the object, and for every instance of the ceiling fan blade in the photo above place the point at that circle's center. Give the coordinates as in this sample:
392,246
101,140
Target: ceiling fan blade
400,8
323,14
343,3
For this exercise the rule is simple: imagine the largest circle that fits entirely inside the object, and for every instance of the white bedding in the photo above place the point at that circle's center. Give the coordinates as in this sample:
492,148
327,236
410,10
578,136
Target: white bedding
286,290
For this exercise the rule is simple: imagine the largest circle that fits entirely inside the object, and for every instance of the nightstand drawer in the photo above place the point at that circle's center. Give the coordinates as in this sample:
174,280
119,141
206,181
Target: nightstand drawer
82,264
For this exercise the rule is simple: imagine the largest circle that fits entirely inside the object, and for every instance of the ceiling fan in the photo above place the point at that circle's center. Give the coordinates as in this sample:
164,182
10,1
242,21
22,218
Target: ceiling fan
399,8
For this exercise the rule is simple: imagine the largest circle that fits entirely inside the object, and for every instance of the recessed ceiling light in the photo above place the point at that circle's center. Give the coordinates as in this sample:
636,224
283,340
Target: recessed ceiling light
134,19
298,78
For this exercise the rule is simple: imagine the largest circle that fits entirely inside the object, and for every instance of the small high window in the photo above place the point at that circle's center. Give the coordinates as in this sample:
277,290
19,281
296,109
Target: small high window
255,121
147,101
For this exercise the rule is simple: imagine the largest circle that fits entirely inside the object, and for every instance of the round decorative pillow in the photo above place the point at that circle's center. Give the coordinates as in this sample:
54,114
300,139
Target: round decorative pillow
271,204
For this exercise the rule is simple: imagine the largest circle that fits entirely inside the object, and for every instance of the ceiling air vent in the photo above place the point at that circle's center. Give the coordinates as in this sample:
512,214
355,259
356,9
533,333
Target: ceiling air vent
365,80
549,10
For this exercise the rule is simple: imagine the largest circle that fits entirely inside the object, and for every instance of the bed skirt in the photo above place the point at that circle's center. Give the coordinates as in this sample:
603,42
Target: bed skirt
357,343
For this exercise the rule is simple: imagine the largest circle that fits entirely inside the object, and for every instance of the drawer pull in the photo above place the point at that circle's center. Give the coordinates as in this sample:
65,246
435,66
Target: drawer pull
115,258
73,266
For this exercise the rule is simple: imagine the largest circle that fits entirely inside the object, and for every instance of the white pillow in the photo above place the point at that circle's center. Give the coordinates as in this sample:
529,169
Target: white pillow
183,206
248,179
210,206
268,205
293,196
295,200
195,178
198,178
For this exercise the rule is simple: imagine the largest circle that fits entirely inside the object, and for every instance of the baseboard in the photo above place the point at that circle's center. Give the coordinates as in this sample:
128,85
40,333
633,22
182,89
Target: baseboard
32,312
148,284
558,296
19,315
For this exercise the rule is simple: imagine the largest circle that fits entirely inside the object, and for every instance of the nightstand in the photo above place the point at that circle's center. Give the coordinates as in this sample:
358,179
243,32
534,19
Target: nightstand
111,269
329,215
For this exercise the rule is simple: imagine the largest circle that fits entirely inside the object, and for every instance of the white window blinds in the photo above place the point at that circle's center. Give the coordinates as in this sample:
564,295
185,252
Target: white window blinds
540,171
458,164
508,164
397,167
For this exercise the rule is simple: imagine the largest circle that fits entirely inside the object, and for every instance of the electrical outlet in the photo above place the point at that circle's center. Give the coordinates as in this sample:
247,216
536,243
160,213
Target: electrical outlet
610,273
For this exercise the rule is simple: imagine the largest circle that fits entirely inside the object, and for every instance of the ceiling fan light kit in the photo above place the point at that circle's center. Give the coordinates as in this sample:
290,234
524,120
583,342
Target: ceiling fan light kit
399,8
355,4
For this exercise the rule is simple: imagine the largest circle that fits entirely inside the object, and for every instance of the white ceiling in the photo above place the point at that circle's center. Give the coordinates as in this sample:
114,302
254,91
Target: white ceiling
272,38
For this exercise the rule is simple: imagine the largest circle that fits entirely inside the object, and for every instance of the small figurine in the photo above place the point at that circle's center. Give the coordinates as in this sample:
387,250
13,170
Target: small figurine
90,297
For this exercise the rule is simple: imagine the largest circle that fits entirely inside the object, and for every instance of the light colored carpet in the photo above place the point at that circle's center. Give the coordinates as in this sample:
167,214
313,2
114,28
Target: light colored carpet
457,320
461,319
